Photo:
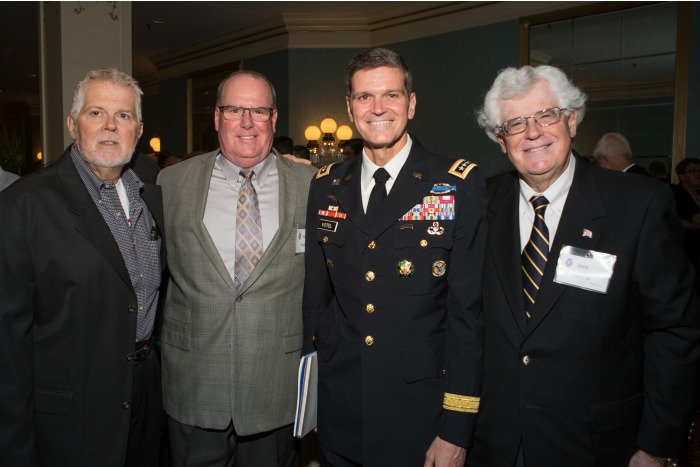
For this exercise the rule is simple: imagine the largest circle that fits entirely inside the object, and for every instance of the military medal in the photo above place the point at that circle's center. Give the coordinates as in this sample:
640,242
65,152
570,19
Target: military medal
435,229
405,268
439,268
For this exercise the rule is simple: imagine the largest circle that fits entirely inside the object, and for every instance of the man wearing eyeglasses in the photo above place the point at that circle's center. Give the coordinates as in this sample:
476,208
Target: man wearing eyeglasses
592,330
232,330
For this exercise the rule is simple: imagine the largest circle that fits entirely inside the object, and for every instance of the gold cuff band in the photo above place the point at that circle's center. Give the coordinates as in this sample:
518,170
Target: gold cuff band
459,403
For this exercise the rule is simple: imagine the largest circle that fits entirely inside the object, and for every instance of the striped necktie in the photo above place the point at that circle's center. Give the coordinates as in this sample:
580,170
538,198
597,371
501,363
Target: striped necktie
534,257
249,239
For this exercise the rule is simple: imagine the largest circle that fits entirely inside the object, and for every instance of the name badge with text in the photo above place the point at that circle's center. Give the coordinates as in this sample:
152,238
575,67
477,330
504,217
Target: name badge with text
301,238
585,269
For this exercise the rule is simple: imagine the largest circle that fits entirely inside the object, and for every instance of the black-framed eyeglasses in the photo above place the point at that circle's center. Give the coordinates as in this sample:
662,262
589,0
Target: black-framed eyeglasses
258,114
517,125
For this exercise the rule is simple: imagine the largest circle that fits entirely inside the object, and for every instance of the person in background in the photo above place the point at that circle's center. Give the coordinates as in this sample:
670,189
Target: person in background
283,144
301,152
612,151
657,169
232,330
392,298
687,196
592,327
81,260
352,148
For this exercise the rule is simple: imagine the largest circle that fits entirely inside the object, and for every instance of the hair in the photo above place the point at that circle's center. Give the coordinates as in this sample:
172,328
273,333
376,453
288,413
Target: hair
611,145
513,83
283,144
657,169
374,58
301,152
252,73
683,165
114,76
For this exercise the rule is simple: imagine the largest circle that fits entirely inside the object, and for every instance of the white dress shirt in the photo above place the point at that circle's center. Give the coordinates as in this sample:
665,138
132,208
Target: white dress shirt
393,167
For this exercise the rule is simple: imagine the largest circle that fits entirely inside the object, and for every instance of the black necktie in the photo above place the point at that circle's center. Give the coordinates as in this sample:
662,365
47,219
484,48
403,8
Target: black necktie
534,257
378,194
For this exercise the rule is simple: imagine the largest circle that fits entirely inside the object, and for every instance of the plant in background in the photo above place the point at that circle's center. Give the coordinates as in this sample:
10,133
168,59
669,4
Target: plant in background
11,145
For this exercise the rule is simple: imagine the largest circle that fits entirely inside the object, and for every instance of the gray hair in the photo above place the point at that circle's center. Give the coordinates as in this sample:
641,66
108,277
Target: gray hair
512,83
252,73
611,145
114,76
374,58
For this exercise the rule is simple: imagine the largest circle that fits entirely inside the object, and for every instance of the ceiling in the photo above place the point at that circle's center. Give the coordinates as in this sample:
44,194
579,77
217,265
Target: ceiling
157,28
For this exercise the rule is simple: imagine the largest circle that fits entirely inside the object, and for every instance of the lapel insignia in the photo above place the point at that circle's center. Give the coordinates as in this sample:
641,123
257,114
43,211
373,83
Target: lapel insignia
439,268
587,233
405,268
325,170
442,189
347,178
335,182
461,168
436,229
418,175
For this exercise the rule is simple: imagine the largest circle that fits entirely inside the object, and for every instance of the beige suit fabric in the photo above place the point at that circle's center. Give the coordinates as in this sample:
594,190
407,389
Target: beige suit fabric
227,355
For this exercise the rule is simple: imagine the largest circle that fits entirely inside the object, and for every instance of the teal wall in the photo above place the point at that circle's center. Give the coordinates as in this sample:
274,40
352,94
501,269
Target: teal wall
452,72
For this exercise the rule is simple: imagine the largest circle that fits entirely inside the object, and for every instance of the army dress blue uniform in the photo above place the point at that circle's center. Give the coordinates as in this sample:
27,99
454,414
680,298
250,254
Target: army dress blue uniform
394,309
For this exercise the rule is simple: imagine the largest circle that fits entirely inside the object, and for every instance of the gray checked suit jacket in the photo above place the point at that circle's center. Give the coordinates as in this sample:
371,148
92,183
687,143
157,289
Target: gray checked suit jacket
227,355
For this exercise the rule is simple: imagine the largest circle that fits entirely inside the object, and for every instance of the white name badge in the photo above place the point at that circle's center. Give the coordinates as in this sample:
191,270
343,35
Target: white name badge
585,269
301,238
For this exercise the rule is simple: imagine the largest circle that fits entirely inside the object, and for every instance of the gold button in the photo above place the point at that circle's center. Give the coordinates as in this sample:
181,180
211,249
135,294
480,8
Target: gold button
325,239
369,308
369,276
526,360
369,340
372,245
424,243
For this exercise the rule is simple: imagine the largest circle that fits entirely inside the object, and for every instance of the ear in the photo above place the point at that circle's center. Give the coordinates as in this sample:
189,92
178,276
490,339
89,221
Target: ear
274,120
572,123
216,119
502,143
347,103
140,131
70,123
412,106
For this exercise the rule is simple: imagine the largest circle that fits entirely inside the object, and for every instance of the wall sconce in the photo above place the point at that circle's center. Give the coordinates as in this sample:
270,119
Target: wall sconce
155,144
328,148
343,133
39,156
327,152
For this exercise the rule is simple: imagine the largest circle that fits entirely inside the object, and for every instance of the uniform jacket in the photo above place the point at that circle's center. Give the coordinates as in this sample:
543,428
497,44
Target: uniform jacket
592,377
395,309
67,323
228,355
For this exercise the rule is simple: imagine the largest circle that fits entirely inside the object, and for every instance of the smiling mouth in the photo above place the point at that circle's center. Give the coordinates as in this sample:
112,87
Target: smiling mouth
538,148
380,122
248,137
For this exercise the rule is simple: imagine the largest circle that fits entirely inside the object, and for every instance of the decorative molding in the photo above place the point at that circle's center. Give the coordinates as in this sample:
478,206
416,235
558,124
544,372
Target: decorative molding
410,20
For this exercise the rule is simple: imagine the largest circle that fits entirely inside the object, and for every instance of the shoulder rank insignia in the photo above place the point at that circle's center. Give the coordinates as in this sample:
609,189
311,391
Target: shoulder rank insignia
460,168
325,170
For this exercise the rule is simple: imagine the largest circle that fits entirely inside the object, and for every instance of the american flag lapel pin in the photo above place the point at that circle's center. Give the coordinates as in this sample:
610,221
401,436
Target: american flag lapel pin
587,233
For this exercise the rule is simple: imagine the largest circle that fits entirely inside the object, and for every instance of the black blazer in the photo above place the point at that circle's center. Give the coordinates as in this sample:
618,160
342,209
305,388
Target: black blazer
392,345
67,323
592,377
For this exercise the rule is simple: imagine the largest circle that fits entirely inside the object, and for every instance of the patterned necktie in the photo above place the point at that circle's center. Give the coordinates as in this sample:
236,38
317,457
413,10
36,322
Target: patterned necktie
249,239
378,194
534,257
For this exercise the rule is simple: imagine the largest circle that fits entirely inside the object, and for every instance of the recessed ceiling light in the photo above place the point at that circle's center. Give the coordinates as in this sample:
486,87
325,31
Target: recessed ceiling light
158,21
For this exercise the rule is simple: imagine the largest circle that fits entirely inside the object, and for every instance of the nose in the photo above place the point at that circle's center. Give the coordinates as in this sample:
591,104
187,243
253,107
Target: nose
111,122
378,107
532,129
246,119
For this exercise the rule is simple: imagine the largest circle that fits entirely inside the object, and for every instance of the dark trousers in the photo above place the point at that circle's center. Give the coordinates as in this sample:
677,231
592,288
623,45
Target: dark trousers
146,410
191,446
332,459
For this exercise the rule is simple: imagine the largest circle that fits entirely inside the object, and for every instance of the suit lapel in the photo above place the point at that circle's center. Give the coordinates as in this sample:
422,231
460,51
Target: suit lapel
413,183
504,246
288,196
200,179
578,228
90,223
348,193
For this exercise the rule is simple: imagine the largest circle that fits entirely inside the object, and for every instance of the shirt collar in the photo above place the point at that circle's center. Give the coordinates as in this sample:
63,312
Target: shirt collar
94,183
393,166
557,191
233,172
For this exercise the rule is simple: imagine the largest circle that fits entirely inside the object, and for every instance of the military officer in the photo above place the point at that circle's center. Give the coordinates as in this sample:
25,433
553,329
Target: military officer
395,242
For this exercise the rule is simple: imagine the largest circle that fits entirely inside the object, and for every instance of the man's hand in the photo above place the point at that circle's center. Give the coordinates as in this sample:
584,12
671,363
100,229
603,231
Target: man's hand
296,159
641,459
444,454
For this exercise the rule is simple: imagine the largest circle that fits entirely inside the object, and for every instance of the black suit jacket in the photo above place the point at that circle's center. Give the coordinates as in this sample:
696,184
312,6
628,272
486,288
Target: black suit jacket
637,169
592,376
67,323
391,346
